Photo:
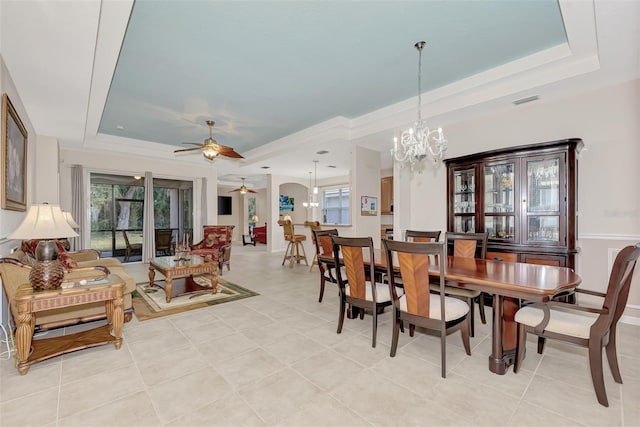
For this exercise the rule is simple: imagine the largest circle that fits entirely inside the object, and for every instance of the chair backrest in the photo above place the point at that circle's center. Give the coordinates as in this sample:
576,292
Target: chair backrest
413,261
126,238
352,251
467,245
422,236
287,228
163,238
215,236
322,241
618,289
313,225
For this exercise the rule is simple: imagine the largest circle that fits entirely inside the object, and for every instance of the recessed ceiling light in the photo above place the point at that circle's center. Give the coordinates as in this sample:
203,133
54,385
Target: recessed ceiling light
265,167
120,127
321,152
526,99
331,166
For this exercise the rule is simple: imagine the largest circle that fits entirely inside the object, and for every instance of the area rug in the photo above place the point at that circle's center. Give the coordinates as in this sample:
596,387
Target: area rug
149,300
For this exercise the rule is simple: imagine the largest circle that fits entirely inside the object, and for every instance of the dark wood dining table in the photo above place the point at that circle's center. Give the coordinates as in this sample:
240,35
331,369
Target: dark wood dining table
508,283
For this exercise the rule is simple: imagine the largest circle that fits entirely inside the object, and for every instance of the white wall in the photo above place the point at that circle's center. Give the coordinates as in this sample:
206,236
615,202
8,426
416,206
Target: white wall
9,220
365,167
608,174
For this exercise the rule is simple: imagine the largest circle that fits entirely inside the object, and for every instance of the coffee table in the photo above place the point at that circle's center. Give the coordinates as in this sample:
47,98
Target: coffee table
172,268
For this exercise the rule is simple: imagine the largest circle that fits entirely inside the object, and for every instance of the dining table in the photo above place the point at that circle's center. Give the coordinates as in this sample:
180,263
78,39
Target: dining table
509,283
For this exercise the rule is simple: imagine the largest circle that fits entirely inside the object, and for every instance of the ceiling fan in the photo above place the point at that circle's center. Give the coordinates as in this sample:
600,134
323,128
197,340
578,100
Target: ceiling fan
243,189
211,149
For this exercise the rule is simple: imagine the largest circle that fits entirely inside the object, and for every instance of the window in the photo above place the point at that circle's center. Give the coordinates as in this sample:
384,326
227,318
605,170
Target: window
335,206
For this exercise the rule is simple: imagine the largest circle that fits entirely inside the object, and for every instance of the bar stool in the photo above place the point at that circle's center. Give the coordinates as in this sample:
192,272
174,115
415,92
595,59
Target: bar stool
295,243
314,226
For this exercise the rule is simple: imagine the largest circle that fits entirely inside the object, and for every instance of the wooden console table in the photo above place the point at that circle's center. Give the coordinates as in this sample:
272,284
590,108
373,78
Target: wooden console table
30,302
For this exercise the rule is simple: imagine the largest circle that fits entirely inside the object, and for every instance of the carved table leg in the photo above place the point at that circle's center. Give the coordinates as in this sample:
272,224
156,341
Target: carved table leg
168,287
214,283
24,334
118,320
152,275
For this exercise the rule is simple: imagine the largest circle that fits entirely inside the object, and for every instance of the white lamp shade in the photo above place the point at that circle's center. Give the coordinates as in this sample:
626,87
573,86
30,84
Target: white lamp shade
254,218
43,222
72,222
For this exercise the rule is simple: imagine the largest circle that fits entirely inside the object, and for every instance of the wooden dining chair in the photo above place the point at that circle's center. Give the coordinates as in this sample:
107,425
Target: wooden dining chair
467,245
131,249
313,226
359,288
322,242
589,327
421,236
419,306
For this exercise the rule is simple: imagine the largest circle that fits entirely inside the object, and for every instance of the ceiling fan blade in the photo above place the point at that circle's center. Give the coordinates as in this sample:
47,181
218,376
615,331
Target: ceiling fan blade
187,149
237,189
250,191
223,150
199,144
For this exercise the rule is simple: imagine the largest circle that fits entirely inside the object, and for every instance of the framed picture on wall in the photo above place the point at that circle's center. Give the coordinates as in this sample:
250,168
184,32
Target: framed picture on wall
368,206
14,158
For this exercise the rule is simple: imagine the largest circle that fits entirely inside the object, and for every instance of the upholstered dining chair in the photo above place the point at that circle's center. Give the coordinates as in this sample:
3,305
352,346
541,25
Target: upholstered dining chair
131,249
359,288
589,327
313,226
322,242
292,253
468,245
419,306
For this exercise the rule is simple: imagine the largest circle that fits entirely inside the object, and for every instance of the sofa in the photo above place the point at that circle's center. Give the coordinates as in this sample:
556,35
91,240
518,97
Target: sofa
216,245
15,269
260,234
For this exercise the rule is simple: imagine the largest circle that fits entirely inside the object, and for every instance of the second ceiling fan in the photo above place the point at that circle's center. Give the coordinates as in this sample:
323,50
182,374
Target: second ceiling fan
243,189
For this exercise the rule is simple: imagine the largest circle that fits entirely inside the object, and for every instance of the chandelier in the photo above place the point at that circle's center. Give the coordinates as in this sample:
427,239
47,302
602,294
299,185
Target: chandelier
417,144
312,203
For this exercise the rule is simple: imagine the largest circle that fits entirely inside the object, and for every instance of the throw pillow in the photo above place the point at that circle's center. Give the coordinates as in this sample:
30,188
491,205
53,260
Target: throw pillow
67,261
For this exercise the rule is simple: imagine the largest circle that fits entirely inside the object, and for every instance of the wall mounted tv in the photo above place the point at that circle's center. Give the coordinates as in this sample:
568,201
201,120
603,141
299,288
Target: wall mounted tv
224,205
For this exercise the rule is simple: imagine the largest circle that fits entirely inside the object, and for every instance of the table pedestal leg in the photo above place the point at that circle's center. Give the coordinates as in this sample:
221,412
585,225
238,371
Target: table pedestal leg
503,345
496,362
152,275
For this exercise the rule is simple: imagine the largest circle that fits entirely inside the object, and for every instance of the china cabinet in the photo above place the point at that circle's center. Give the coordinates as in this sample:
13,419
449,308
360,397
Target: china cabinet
524,197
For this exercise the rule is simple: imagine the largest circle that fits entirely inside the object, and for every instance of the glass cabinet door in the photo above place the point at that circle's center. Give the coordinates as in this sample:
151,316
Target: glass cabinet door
499,206
464,200
542,203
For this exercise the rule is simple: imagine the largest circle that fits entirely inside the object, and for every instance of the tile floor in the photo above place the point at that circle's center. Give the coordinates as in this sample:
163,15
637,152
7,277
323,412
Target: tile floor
276,359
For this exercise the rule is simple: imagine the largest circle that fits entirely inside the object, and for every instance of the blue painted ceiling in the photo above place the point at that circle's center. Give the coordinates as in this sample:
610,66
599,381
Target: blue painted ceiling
266,69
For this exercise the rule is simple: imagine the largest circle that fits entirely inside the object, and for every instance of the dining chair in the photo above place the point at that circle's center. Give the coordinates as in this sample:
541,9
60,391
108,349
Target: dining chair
313,226
589,327
292,253
419,306
421,236
359,289
467,245
322,242
131,249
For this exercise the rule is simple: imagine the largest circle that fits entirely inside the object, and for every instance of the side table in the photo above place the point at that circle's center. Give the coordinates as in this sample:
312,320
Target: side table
30,302
248,239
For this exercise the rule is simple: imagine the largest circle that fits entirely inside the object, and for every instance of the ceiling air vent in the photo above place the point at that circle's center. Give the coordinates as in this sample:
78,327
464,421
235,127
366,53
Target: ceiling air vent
525,100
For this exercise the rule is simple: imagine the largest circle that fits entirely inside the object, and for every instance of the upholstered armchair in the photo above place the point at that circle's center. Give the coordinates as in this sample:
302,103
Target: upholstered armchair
260,234
216,245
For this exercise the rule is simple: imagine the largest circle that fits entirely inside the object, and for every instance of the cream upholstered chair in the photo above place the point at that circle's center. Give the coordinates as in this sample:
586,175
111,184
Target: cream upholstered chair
362,292
292,253
419,306
586,326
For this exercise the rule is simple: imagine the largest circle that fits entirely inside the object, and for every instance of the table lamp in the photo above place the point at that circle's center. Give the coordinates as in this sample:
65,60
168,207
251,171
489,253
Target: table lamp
254,219
72,222
45,222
